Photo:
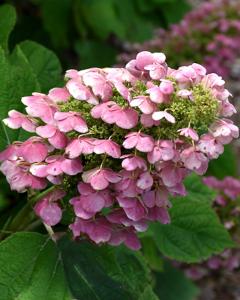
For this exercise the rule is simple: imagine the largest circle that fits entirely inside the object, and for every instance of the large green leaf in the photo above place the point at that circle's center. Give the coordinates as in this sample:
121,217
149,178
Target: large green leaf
31,268
151,253
172,284
197,191
17,80
44,64
30,68
137,27
225,165
135,269
104,272
7,22
174,11
93,53
194,233
56,20
101,17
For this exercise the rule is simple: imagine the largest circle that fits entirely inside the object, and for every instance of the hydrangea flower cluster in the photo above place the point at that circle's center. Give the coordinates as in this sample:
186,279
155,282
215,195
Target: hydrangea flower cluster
227,206
111,146
210,35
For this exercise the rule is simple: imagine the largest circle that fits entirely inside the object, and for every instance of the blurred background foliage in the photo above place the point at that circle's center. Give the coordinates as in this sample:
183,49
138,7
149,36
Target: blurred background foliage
86,33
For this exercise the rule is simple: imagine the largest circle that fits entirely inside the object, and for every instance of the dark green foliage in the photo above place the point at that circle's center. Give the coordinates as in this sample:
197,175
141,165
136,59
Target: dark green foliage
171,284
195,232
32,266
225,165
91,32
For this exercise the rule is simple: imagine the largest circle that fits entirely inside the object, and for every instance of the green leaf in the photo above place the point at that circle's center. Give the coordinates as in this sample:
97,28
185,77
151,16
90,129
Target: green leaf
148,294
137,27
197,190
17,80
135,270
30,68
172,284
7,23
3,200
194,233
104,273
225,165
31,268
101,17
56,19
44,64
172,14
93,53
151,253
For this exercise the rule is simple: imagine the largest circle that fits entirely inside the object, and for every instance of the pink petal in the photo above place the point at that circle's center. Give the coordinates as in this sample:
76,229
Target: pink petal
55,168
149,198
132,241
59,140
111,176
59,95
71,166
130,142
39,170
33,152
145,181
92,203
100,233
46,131
128,118
50,213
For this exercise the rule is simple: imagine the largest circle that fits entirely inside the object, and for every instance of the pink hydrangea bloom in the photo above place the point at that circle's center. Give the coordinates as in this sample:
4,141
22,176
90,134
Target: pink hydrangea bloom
209,145
40,106
55,166
159,115
68,121
194,160
100,178
144,103
107,146
80,146
225,131
33,150
17,120
185,94
116,143
80,92
112,113
131,163
141,142
48,209
163,150
166,87
189,133
59,95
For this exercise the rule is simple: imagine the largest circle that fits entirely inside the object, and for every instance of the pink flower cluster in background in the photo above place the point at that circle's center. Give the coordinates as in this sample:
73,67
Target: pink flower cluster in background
210,35
111,146
227,206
